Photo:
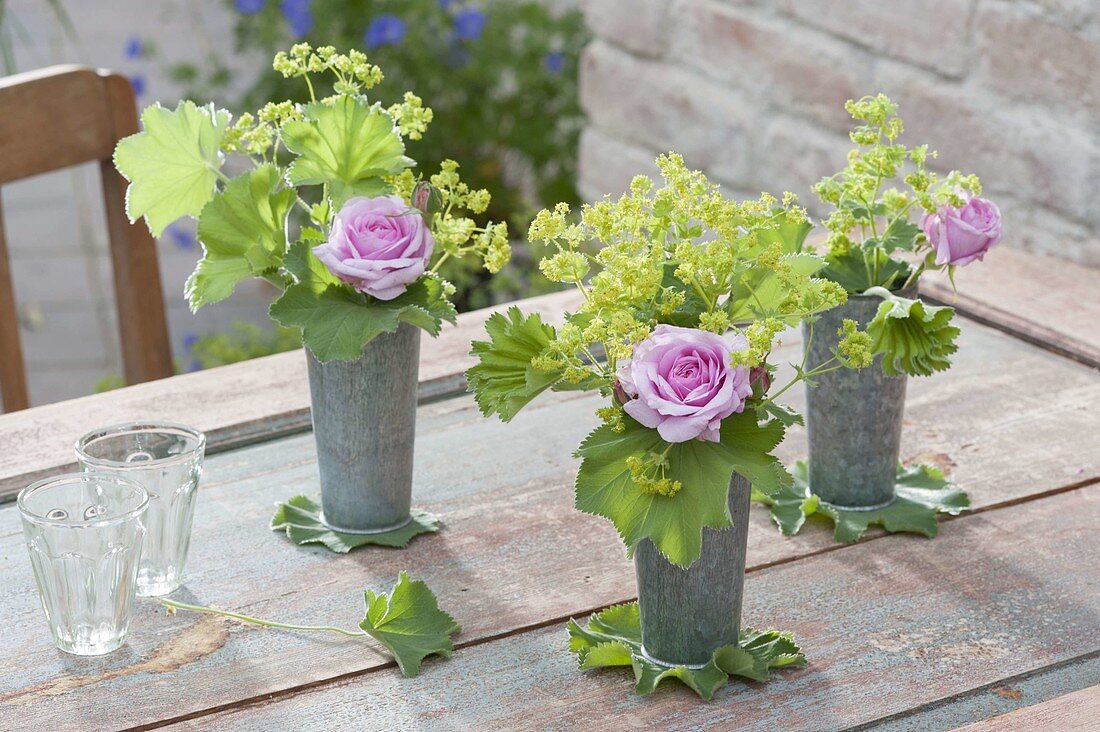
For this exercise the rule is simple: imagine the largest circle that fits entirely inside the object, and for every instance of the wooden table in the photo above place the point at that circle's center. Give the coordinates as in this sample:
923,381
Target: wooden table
1000,615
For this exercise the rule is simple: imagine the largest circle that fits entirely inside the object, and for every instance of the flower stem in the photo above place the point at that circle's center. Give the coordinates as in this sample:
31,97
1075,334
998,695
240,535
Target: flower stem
255,621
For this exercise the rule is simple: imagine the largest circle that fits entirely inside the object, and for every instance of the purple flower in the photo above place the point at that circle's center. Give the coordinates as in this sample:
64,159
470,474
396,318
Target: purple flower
554,62
446,4
682,383
377,245
138,82
469,24
182,237
249,7
298,15
962,235
384,30
133,48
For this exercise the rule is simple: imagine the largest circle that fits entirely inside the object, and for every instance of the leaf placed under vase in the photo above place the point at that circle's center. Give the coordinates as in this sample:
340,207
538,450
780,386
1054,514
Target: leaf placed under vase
300,517
921,492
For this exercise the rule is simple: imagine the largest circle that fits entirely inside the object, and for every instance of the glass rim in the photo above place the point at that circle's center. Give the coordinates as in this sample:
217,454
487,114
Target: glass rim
86,477
122,428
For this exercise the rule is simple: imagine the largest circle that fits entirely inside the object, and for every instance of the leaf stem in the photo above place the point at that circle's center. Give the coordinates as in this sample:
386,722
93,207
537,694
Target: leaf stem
256,621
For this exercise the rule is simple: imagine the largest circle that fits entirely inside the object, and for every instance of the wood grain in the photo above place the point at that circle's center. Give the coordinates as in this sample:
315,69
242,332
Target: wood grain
234,405
1044,300
513,553
887,626
52,119
1075,712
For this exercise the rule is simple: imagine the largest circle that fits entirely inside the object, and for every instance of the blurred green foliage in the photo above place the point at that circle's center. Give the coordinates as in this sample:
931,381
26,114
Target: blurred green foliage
500,75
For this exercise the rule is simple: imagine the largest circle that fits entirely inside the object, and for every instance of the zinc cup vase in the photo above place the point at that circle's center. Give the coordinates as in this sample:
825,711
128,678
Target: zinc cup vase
853,417
364,423
686,614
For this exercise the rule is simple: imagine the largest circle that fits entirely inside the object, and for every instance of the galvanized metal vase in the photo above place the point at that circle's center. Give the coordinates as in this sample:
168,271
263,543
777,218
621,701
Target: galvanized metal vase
364,422
688,613
853,418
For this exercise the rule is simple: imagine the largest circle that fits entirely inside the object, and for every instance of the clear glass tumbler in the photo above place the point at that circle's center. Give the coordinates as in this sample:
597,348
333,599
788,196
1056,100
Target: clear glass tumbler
84,533
166,458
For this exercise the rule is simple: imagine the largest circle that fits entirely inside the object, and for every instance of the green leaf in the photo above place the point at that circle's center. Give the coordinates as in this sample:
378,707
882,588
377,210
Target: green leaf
338,322
173,164
854,270
913,338
503,381
900,234
409,623
675,523
243,234
614,638
348,145
307,269
300,518
789,235
922,491
759,293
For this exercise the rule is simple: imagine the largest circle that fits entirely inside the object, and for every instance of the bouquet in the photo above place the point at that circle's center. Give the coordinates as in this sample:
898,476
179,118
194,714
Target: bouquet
327,208
682,304
871,226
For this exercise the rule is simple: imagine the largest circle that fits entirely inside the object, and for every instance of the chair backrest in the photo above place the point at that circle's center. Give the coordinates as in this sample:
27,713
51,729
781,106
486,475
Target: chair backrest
55,118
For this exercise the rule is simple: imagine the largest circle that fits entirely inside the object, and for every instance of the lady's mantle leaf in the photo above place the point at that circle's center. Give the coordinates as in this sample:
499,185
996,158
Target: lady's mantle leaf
922,492
614,638
243,234
760,293
409,623
300,517
675,523
853,269
503,381
338,322
173,164
348,145
914,338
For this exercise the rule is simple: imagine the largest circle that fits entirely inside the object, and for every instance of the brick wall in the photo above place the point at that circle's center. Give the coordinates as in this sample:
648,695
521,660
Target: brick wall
753,93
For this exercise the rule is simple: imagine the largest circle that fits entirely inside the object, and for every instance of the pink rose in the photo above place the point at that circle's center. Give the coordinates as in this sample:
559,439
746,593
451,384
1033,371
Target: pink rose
962,235
377,245
683,384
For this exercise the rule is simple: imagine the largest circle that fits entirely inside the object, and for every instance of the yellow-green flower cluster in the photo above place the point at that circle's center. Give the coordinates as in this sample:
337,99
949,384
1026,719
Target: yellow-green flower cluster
680,253
352,70
411,116
863,194
649,474
457,235
854,349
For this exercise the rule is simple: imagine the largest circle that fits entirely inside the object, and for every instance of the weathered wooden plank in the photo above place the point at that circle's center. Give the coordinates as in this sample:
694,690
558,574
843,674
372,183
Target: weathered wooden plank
513,553
1045,300
886,625
235,405
1075,712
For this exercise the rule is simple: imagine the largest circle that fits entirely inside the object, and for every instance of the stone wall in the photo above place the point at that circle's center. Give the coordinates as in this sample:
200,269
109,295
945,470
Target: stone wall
753,94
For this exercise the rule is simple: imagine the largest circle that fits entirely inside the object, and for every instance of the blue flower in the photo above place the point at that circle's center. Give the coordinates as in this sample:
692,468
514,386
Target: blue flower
298,15
133,48
250,7
384,30
181,236
554,62
446,4
138,82
469,24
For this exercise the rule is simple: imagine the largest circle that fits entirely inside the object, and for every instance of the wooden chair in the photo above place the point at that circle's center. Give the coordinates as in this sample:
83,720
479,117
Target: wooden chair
55,118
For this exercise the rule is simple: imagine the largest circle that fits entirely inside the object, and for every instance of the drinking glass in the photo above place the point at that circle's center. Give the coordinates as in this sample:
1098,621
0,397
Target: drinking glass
84,533
166,458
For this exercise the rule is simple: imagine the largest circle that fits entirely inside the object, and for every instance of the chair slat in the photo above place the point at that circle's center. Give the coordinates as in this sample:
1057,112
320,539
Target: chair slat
13,379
